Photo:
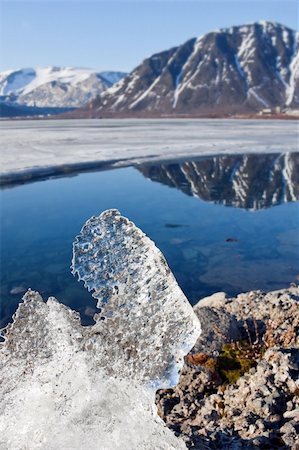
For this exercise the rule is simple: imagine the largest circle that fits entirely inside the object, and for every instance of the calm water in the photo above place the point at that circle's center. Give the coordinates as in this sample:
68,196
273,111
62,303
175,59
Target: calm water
224,224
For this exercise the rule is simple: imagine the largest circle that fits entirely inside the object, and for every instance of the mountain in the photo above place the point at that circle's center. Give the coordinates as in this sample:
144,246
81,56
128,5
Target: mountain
242,69
55,87
242,181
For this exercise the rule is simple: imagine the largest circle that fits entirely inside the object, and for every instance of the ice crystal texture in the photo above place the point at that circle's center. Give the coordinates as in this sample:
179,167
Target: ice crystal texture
71,387
144,314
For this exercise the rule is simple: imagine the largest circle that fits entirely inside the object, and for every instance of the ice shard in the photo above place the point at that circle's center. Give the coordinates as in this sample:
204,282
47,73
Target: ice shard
72,387
144,314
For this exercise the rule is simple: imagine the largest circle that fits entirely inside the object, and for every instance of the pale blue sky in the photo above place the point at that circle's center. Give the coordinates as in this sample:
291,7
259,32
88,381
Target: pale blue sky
118,34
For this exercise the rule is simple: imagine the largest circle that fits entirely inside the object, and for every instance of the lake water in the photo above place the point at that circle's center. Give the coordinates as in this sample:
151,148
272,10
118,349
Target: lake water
227,223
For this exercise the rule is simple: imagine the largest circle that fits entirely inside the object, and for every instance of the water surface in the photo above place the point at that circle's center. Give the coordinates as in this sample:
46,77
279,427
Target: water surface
223,223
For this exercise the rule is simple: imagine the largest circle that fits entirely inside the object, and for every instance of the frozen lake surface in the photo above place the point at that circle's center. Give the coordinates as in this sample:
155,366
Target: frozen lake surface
27,147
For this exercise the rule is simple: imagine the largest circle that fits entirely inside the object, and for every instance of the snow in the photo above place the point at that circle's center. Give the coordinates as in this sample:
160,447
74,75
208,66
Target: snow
199,86
247,47
38,87
183,82
252,92
281,73
116,87
285,37
30,146
18,83
244,55
27,80
176,91
145,93
294,71
71,387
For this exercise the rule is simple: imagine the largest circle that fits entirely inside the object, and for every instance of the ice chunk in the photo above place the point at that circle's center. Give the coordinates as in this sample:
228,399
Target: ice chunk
65,386
144,314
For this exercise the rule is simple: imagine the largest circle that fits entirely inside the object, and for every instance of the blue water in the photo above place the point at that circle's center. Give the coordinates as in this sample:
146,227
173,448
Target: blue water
209,247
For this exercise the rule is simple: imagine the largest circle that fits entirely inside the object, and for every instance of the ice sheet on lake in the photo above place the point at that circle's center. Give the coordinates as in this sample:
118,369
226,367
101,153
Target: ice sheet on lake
71,387
30,146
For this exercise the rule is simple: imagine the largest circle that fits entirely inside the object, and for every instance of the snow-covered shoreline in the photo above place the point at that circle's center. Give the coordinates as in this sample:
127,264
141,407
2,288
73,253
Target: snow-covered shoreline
38,148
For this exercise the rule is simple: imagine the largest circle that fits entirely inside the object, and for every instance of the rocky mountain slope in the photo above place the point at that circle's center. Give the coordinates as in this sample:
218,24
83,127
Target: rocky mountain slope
57,87
242,181
242,69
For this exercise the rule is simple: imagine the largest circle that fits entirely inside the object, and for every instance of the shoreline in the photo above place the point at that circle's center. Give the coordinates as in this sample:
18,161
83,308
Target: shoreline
158,117
35,174
239,385
257,409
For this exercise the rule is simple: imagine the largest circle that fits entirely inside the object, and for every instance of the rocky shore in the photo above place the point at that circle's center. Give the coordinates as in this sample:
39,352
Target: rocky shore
239,388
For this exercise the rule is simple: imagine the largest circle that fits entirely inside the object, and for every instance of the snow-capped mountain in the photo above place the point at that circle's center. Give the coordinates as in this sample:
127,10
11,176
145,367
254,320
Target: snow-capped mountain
63,87
243,181
240,69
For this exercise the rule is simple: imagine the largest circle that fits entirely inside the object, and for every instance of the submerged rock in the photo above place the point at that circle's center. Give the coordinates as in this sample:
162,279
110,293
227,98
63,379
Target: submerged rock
18,290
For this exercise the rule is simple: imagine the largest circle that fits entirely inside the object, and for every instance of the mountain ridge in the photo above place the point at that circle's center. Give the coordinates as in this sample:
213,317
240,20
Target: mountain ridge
241,69
51,86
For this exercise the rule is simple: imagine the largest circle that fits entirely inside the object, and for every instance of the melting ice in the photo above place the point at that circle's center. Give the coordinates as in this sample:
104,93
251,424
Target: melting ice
72,387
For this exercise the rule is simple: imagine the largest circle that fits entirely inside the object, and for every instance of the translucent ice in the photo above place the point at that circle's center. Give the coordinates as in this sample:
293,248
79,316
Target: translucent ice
144,314
68,387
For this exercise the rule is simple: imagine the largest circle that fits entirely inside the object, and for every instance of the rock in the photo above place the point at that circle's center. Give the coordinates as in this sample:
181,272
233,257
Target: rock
214,300
290,435
261,409
18,290
294,414
218,327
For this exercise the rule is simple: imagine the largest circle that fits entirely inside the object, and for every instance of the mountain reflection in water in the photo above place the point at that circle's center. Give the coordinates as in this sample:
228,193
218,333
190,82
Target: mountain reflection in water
208,246
249,181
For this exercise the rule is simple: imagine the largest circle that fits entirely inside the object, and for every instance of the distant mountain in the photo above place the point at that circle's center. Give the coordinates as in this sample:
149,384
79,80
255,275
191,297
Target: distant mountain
55,87
243,181
242,69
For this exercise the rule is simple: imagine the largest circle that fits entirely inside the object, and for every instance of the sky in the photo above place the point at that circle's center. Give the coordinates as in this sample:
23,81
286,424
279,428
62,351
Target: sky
118,34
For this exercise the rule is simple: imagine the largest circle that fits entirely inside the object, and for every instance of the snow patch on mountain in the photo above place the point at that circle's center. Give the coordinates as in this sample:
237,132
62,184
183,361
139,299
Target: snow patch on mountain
54,86
294,72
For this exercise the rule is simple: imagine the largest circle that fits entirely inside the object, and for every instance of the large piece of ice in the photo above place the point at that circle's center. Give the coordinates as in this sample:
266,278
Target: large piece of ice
145,317
64,386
